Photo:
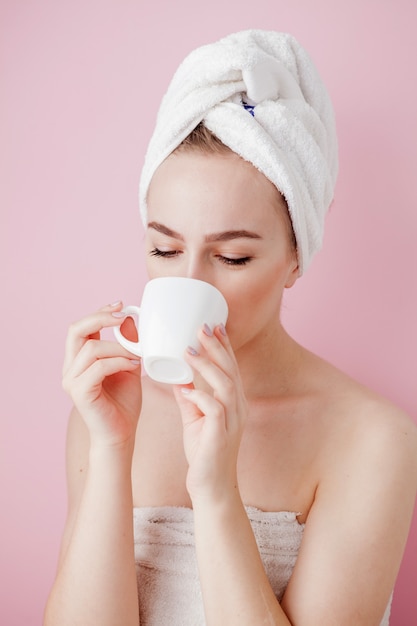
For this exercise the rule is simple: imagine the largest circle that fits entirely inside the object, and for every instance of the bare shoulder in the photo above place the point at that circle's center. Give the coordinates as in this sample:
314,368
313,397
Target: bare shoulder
386,422
364,430
385,435
350,404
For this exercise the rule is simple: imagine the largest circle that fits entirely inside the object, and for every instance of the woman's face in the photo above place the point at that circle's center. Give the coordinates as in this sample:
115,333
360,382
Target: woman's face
218,219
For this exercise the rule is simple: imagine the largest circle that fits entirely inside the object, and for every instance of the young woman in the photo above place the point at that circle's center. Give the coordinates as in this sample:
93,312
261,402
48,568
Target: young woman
274,489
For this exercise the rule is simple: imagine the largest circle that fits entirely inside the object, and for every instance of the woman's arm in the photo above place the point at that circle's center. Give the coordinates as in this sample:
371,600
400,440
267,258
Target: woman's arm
236,590
235,587
355,533
96,578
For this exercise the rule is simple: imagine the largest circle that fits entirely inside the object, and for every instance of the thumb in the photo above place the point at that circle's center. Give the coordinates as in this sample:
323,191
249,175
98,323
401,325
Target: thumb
189,411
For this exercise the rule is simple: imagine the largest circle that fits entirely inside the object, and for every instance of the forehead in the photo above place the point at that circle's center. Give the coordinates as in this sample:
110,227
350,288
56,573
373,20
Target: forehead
217,190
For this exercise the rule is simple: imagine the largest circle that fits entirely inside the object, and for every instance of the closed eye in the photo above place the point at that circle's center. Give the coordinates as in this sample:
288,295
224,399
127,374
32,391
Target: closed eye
164,253
232,261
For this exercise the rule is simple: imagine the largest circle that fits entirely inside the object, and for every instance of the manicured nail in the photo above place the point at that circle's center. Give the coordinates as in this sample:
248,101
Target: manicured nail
185,390
192,351
117,303
118,314
135,361
207,330
222,330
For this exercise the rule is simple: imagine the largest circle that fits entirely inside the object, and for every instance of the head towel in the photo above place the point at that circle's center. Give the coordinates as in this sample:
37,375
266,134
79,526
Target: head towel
261,95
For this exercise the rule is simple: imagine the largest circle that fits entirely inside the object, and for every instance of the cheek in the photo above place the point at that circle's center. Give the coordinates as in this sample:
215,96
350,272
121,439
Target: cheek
252,305
152,269
156,267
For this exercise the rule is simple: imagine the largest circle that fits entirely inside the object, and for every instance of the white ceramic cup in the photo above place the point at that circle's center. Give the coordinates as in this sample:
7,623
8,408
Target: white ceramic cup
172,311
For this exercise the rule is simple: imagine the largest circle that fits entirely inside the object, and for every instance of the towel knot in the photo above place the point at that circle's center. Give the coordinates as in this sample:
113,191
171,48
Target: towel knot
268,79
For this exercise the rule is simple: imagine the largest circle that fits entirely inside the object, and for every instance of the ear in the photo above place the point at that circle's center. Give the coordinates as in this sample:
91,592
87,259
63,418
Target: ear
293,274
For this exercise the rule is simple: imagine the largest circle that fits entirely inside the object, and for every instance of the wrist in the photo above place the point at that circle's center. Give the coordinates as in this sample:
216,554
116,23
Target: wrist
222,500
107,452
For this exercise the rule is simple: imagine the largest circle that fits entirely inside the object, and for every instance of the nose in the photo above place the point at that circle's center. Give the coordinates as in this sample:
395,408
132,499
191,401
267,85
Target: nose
199,269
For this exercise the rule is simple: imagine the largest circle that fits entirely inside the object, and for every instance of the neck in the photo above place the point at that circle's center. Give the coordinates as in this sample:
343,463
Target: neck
268,365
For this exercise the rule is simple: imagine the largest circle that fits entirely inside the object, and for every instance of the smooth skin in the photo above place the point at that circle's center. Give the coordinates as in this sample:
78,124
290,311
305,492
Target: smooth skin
266,424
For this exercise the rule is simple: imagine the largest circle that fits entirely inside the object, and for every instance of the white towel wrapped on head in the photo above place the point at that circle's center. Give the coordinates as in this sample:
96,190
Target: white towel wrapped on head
261,95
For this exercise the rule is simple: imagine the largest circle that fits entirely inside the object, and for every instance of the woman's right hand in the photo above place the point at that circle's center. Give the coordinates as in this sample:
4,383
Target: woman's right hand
102,378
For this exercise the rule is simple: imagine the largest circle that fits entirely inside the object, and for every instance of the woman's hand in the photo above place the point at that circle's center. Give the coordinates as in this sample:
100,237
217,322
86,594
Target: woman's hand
102,378
213,423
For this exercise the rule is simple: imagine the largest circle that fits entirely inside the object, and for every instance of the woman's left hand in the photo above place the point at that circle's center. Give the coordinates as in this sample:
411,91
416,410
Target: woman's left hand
213,422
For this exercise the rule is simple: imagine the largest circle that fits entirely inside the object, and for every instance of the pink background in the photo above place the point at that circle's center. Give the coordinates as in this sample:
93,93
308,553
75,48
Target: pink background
80,84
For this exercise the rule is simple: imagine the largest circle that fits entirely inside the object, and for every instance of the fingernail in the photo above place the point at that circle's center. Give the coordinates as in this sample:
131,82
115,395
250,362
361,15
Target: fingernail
185,390
207,330
117,303
118,314
192,351
222,330
135,361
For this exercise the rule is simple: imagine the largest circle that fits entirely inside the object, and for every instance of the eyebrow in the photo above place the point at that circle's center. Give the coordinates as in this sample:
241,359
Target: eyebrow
226,235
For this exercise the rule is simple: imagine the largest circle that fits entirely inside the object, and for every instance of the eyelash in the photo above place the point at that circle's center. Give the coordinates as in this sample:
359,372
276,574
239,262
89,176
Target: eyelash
167,254
164,253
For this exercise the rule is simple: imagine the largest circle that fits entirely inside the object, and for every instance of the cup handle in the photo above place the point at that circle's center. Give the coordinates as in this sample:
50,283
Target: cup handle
132,346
